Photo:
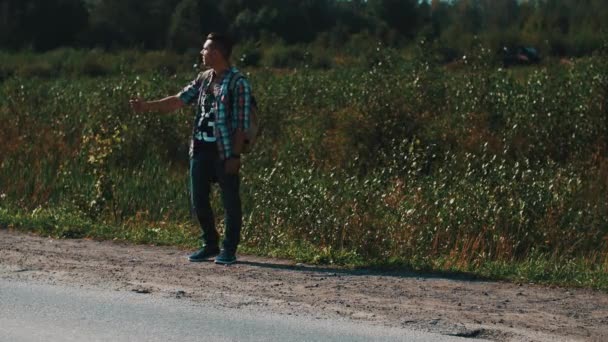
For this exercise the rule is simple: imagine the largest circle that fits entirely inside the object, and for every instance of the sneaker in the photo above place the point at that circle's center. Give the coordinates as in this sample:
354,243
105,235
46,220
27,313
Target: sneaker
225,258
203,254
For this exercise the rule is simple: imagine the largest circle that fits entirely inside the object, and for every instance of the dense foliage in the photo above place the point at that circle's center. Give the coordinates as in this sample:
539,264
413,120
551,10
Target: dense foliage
404,160
556,27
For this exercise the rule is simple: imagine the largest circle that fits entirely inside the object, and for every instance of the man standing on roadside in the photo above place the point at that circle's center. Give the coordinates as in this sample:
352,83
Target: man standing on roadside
223,108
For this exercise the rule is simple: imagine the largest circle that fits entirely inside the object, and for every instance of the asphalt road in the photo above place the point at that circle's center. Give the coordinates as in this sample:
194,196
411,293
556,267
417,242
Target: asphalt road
37,312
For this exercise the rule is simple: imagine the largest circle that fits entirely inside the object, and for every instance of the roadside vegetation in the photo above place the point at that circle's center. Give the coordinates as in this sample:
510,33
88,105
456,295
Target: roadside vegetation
390,159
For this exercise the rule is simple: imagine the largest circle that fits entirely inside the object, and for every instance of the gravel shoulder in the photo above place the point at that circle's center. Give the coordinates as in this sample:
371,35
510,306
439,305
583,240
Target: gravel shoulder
448,305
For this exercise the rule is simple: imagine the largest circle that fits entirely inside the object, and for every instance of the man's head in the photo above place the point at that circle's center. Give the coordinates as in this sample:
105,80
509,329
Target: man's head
216,50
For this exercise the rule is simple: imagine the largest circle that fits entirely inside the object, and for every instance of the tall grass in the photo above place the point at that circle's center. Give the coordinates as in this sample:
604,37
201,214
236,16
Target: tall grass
399,162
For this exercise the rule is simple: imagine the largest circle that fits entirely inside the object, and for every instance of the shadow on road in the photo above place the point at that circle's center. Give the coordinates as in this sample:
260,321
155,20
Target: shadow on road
399,272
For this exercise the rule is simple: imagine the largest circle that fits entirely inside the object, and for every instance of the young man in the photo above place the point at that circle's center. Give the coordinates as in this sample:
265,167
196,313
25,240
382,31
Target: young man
223,107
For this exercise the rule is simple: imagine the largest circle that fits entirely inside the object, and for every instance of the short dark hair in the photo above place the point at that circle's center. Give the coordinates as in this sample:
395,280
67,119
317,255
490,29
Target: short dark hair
222,43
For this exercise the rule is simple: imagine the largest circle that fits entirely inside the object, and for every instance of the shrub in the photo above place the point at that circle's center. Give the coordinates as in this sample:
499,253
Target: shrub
400,160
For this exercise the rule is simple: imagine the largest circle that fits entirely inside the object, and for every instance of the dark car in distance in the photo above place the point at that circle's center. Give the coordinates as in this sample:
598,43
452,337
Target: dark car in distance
521,55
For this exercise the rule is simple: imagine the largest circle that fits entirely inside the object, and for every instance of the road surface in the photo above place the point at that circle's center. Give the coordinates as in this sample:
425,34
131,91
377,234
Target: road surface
41,312
443,304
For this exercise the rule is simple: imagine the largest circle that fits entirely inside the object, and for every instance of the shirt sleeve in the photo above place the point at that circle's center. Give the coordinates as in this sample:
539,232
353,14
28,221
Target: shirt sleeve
190,92
242,104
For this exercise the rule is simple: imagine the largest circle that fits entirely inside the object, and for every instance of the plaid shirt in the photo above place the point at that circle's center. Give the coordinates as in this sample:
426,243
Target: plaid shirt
232,107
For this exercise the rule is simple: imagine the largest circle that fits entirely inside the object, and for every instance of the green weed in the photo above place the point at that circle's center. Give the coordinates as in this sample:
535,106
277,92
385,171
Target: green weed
403,162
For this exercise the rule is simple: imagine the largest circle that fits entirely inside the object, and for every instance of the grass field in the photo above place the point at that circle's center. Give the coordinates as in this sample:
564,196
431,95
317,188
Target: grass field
499,173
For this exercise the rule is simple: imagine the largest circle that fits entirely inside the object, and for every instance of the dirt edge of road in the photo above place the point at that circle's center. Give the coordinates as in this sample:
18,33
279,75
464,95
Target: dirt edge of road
447,305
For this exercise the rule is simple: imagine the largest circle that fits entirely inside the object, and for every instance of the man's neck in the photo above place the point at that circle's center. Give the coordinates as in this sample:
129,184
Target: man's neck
221,70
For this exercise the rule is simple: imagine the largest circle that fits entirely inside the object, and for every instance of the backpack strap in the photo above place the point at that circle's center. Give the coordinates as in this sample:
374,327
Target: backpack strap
236,76
205,78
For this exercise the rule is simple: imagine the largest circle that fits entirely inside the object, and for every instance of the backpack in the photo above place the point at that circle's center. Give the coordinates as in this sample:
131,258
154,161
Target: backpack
254,125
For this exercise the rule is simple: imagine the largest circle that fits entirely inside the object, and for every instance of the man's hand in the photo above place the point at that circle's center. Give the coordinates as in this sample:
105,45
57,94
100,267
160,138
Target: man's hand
137,104
232,166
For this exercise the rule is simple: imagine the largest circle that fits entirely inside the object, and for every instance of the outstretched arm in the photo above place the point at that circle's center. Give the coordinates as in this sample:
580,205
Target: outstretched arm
166,105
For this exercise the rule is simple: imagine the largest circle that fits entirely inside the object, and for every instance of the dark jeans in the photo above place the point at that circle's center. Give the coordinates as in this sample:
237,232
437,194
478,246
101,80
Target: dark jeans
206,168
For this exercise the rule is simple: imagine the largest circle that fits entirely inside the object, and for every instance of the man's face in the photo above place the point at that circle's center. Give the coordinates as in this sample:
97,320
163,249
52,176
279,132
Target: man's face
208,53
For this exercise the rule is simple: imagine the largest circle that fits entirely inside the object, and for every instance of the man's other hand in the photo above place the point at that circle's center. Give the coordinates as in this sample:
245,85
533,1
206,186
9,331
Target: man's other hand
232,166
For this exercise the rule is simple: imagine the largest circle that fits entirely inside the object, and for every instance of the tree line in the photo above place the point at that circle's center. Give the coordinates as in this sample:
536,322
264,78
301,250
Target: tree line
556,27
